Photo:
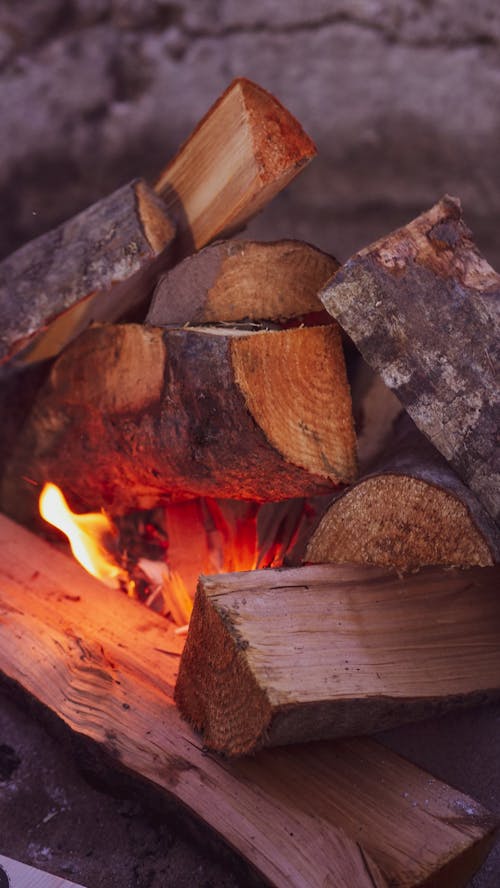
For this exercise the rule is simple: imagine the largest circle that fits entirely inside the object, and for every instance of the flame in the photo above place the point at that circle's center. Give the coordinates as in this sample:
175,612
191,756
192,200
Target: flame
87,535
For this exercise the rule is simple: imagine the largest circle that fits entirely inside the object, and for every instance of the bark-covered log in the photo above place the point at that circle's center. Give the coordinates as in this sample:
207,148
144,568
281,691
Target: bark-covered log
285,656
408,511
243,152
350,813
243,280
423,307
131,416
96,266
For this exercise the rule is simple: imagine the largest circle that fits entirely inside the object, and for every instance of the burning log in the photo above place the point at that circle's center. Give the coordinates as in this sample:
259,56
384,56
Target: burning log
276,657
422,305
243,280
96,266
408,511
243,152
348,813
176,414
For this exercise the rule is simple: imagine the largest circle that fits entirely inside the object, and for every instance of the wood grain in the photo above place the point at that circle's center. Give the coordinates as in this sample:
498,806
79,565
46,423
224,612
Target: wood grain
408,511
285,656
343,814
182,413
242,153
236,280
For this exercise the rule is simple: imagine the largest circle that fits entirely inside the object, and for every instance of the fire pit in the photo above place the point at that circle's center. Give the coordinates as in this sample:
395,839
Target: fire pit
214,437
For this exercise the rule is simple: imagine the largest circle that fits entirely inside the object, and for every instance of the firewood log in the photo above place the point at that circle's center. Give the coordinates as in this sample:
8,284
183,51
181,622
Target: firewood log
243,152
409,510
351,813
284,656
242,280
423,307
132,416
95,266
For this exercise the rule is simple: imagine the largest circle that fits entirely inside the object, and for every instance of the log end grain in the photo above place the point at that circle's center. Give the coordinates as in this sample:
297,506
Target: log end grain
216,691
296,388
243,280
402,522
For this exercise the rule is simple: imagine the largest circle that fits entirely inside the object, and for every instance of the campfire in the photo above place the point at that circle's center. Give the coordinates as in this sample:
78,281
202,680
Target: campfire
291,463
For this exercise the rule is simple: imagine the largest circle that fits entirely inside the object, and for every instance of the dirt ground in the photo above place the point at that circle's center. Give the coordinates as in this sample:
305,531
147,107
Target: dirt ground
54,818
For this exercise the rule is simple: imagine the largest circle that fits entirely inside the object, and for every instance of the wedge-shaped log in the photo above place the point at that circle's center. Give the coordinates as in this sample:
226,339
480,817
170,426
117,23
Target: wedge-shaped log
423,307
243,152
283,656
95,266
409,511
132,416
243,280
348,814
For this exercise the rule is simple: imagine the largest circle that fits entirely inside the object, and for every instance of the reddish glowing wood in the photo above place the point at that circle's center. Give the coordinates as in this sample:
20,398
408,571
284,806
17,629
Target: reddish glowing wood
106,666
176,414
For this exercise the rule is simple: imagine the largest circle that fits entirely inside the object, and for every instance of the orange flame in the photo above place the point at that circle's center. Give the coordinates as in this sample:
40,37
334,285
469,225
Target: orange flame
87,535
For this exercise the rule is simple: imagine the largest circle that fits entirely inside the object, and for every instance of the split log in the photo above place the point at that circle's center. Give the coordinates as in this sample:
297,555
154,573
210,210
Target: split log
285,656
243,152
96,266
243,280
423,307
176,414
348,813
409,511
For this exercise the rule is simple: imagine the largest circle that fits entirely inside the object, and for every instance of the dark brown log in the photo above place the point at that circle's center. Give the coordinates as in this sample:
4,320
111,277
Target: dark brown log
243,280
423,307
96,266
177,414
243,152
350,814
285,656
408,511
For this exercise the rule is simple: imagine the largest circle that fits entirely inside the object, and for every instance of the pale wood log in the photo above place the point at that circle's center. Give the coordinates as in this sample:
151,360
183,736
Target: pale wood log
96,266
131,416
241,154
408,511
243,280
348,814
423,307
284,656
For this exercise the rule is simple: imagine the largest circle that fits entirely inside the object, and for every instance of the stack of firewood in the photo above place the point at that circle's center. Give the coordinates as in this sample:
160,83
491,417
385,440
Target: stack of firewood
227,378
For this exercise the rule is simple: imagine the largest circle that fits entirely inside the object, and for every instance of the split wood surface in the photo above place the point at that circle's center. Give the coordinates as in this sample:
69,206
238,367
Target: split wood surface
423,307
183,413
285,656
243,280
95,266
245,150
345,813
408,511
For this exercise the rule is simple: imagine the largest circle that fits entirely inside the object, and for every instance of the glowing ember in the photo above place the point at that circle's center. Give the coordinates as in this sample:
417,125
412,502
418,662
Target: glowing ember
89,536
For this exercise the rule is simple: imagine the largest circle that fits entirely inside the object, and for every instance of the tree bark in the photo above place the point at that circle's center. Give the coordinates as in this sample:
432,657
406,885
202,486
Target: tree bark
245,150
177,414
96,266
106,666
410,510
243,280
423,307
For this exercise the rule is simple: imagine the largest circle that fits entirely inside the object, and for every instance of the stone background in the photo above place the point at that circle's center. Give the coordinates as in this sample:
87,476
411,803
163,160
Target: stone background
402,99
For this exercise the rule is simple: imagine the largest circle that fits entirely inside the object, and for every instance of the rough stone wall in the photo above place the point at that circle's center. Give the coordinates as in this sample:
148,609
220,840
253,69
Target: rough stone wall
402,99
